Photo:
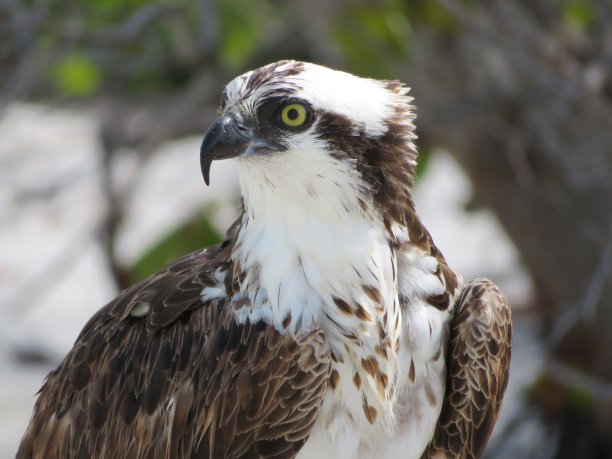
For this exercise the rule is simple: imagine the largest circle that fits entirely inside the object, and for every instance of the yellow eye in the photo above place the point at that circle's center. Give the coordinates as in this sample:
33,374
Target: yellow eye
294,115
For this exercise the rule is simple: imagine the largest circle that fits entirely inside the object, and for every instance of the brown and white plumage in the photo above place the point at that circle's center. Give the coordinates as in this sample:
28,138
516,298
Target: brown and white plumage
477,372
327,324
182,380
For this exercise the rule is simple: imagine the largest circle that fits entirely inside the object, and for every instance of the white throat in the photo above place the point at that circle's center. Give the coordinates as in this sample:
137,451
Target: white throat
308,235
315,253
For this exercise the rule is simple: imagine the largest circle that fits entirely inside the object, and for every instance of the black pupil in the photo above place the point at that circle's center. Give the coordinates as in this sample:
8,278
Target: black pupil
293,114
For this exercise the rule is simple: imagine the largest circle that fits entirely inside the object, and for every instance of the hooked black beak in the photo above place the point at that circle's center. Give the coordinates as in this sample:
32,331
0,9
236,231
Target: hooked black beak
227,137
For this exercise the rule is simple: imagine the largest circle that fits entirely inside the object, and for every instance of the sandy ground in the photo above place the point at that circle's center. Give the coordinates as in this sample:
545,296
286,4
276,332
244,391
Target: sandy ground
52,271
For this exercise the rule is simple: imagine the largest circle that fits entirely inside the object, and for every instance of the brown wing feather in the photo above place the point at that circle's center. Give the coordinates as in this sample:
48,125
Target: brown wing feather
180,380
477,372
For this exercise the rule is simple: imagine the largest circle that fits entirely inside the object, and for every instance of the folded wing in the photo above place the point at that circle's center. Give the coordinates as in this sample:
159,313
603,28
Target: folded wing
159,373
477,372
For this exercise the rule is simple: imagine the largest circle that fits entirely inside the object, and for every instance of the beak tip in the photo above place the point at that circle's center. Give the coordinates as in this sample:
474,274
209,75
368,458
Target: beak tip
206,159
206,173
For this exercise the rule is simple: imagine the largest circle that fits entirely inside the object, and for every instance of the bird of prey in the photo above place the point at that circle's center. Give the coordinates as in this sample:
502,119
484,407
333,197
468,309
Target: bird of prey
326,325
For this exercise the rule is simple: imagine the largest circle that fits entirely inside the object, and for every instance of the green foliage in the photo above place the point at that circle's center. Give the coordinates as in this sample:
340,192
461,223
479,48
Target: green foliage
151,45
431,13
192,235
579,13
553,395
115,5
422,162
127,44
372,38
76,74
579,399
242,24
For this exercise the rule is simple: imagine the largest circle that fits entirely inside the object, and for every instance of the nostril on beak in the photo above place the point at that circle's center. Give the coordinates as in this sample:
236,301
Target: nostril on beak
243,129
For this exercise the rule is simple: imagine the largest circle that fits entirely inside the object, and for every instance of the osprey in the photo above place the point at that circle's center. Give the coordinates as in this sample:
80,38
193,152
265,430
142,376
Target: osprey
326,325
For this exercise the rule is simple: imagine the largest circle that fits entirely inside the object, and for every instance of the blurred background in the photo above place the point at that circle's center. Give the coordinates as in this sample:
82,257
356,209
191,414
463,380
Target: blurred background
103,104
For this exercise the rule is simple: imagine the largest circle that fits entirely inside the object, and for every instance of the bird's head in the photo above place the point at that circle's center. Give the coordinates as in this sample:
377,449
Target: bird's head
300,130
